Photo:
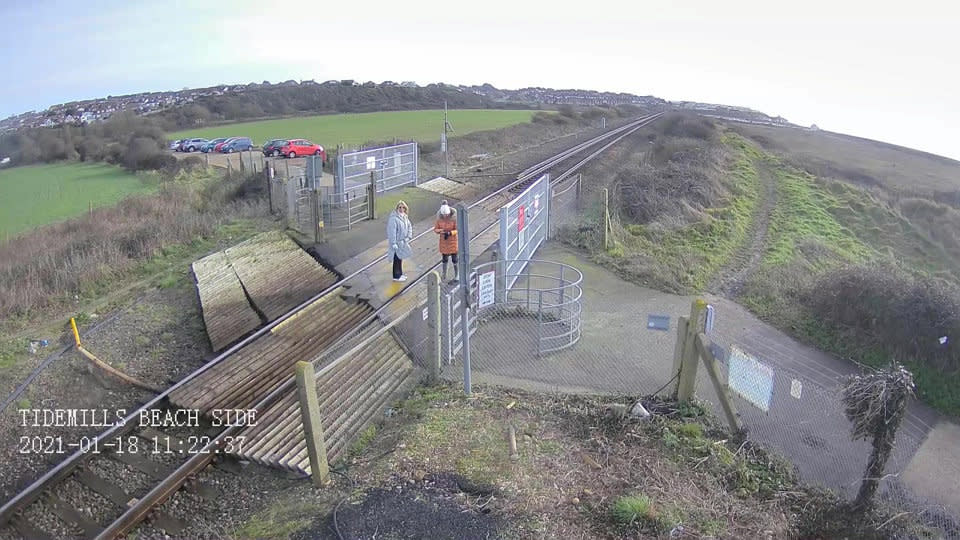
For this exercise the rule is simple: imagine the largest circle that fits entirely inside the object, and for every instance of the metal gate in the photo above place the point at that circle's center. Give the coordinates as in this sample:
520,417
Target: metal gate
391,167
523,227
341,211
543,303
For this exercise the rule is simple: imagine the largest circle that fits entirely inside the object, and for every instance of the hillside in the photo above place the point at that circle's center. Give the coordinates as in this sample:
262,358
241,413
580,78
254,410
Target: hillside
845,243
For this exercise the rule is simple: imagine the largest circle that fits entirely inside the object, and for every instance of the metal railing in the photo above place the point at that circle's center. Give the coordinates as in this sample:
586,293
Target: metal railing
545,292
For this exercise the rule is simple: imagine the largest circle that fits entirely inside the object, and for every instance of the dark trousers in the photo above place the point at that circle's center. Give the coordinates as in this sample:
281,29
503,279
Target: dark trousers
397,266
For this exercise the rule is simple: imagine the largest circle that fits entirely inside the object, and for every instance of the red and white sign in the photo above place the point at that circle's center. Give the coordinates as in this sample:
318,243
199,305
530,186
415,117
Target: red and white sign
521,217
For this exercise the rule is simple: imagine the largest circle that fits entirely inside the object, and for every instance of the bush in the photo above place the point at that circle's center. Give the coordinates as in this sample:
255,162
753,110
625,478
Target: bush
883,306
567,110
687,125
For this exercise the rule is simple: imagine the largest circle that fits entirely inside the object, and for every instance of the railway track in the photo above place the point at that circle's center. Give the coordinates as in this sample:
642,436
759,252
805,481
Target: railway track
167,446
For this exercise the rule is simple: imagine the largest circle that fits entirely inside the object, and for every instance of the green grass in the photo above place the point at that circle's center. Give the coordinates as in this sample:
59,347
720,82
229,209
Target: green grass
803,213
353,129
42,194
631,509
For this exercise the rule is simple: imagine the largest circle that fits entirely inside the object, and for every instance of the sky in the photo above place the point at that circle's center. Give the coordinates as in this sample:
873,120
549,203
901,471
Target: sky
882,70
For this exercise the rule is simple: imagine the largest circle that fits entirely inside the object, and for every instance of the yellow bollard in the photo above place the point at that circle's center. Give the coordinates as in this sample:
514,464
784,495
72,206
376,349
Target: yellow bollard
76,334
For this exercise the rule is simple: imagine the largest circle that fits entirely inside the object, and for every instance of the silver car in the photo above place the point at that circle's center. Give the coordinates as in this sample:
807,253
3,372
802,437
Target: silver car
192,145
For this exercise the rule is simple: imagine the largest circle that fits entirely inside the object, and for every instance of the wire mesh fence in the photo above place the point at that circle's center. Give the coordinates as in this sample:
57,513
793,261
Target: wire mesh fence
789,399
565,205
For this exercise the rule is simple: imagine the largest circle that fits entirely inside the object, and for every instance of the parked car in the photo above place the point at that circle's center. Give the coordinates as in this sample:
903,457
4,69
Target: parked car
192,145
219,146
273,146
175,145
237,144
302,147
211,144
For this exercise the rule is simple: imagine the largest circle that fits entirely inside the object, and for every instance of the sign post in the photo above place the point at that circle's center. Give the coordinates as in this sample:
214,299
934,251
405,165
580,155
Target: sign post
463,247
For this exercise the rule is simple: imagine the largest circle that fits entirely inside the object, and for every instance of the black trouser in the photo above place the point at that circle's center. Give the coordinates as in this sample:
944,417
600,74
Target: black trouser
453,257
397,267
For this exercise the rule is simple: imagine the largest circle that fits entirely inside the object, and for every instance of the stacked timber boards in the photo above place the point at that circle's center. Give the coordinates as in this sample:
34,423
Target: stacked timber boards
352,391
243,378
255,282
226,312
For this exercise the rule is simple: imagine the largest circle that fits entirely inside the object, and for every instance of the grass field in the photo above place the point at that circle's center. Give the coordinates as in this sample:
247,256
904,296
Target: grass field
42,194
352,129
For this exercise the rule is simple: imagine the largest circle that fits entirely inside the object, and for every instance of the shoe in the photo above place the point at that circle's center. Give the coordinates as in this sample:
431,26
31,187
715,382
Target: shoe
401,278
454,281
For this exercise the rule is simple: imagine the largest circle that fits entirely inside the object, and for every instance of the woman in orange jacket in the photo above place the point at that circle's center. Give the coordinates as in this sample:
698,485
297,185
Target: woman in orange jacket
446,227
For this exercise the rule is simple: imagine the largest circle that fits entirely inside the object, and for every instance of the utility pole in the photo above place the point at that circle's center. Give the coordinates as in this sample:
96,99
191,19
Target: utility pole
443,140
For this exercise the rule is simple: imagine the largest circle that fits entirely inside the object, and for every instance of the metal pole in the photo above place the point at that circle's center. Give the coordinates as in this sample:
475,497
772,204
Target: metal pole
463,241
446,160
371,201
433,325
539,321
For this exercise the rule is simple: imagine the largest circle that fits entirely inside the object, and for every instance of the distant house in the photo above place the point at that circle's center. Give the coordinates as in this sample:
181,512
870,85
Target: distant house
408,84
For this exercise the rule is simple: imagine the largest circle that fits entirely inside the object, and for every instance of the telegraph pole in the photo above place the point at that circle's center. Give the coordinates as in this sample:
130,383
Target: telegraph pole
443,140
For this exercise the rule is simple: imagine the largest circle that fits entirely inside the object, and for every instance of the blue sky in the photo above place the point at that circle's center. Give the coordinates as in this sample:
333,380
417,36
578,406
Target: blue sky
882,70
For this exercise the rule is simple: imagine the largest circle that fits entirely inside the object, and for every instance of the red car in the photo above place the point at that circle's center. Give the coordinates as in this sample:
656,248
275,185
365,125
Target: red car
302,147
220,145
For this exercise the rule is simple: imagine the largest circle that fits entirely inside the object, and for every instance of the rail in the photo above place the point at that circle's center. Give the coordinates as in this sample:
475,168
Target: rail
160,492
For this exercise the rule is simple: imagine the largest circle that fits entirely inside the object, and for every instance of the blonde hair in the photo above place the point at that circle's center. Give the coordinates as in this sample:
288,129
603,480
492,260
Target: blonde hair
401,204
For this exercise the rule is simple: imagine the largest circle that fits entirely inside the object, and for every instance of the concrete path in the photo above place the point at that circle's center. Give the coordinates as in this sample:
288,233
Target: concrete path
618,354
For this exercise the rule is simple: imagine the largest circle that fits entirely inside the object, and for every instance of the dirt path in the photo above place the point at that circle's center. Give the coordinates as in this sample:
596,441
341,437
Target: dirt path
731,278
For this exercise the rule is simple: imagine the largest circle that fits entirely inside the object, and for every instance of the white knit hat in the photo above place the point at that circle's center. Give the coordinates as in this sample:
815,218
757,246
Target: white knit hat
444,209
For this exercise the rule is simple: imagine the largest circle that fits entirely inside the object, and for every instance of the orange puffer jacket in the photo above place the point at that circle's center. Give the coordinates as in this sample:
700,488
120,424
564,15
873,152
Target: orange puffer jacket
448,242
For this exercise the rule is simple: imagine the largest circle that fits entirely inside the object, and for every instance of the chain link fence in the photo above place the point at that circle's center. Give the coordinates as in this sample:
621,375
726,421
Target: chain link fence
789,399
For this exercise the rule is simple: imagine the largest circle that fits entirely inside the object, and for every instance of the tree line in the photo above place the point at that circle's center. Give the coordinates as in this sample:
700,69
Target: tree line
140,142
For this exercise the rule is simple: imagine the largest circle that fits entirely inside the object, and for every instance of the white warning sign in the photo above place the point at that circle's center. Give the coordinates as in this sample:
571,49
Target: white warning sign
486,289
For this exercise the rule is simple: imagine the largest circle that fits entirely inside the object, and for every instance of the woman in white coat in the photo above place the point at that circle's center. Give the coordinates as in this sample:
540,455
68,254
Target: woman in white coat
399,235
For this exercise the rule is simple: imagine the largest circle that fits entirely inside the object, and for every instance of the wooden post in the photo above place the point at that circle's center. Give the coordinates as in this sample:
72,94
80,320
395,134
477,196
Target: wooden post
579,188
605,218
206,159
318,231
266,177
312,426
722,388
678,353
372,197
433,326
687,384
287,163
243,168
90,207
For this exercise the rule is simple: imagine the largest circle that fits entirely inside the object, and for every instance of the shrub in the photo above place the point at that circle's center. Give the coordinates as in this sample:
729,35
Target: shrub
688,125
883,306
